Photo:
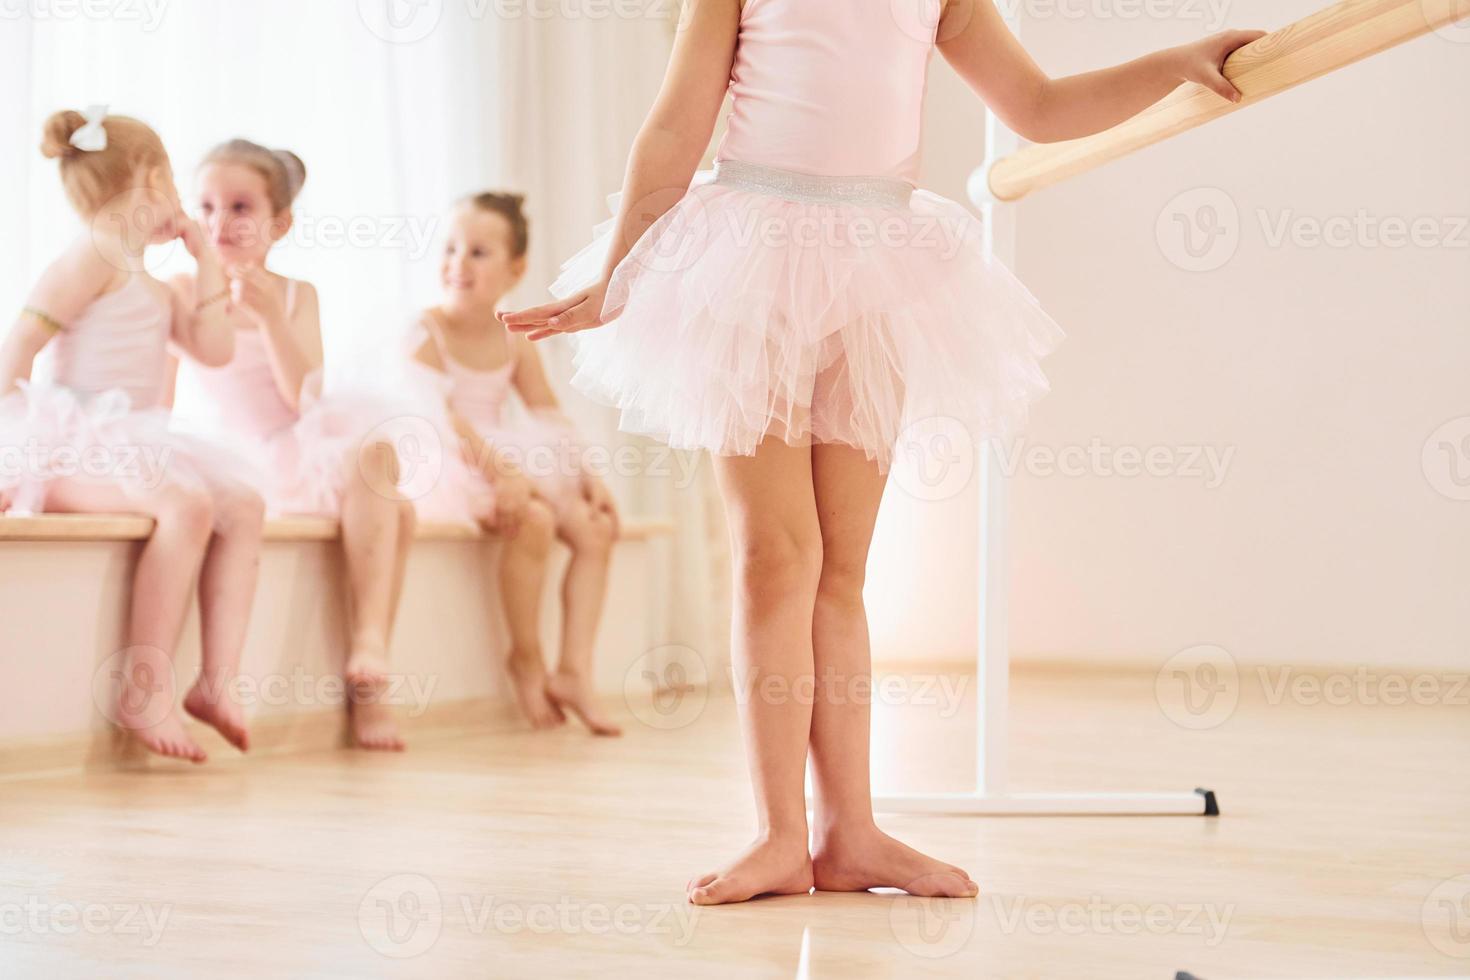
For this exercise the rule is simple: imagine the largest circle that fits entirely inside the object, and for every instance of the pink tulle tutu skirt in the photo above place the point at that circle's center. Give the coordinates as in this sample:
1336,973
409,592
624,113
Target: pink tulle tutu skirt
811,309
547,450
448,485
50,432
304,470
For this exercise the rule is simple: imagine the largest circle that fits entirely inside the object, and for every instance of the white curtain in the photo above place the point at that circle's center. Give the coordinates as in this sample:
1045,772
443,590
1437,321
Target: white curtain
398,107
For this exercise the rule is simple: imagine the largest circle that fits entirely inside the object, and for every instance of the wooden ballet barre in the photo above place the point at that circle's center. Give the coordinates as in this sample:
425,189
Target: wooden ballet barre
1328,40
133,527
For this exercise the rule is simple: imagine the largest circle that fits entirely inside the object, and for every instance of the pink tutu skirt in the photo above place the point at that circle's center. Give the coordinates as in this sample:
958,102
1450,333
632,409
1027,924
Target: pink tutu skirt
303,469
448,485
441,483
547,450
50,432
811,309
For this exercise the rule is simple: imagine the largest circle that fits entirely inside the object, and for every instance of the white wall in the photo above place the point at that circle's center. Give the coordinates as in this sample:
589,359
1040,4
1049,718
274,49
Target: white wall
1323,370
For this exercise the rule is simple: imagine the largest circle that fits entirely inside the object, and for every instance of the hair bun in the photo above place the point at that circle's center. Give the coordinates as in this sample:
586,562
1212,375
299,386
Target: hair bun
295,171
57,134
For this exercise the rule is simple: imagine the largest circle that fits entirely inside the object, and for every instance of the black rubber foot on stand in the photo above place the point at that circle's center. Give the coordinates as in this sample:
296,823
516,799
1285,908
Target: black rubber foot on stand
1212,808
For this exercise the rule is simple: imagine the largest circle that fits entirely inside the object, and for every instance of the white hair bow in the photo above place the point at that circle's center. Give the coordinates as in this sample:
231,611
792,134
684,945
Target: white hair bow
91,137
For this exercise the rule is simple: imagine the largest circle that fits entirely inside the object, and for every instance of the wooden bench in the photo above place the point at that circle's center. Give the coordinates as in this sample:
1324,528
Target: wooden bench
64,586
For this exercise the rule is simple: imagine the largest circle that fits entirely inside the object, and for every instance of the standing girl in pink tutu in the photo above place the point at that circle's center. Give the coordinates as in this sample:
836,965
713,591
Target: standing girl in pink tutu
794,312
97,439
310,453
523,479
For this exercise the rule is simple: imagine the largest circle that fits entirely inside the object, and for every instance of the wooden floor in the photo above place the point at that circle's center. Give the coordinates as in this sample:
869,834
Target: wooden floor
509,854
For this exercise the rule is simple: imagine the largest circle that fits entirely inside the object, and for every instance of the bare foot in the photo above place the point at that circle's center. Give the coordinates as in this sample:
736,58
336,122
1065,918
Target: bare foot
145,708
771,866
210,705
374,726
528,675
854,861
573,692
367,667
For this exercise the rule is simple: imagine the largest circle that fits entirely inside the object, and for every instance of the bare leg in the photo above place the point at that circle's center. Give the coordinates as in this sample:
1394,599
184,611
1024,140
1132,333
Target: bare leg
522,579
162,586
374,515
370,538
777,548
226,595
850,853
590,536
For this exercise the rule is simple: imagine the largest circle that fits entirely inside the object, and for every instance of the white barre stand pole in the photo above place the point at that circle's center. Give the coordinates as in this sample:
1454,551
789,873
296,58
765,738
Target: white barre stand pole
993,660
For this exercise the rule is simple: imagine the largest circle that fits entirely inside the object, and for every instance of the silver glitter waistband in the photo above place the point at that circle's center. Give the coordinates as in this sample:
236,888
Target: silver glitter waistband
814,188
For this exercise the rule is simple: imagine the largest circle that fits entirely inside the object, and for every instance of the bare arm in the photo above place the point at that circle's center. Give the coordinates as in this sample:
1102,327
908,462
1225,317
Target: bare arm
530,378
666,152
974,38
293,344
67,287
479,453
201,326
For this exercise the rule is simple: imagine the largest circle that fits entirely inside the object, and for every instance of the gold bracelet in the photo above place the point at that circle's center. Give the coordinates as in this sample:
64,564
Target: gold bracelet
223,294
46,319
